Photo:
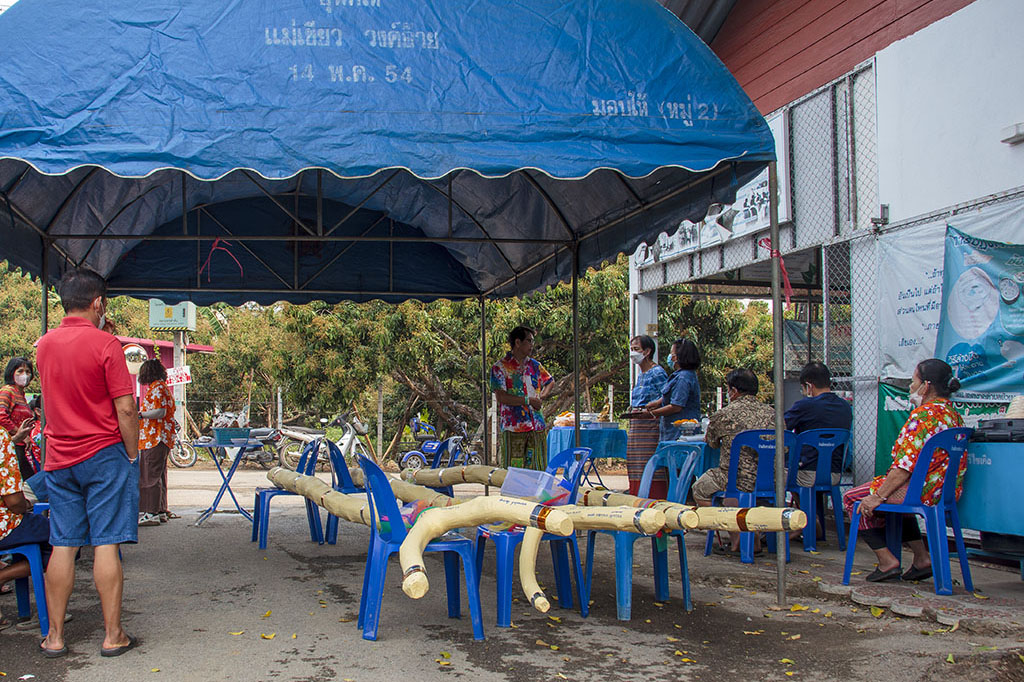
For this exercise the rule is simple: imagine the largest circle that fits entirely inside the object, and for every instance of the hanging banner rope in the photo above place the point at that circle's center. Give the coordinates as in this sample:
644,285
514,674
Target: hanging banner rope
217,247
786,286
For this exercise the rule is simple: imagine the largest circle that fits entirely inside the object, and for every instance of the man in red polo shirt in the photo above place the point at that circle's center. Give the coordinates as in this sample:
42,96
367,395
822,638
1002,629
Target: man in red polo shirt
92,436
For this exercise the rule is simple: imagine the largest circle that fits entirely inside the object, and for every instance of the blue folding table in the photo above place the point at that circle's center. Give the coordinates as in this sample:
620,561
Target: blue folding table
226,477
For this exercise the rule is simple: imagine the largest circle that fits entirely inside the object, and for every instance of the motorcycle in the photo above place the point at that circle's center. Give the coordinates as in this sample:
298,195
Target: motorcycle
433,452
265,454
296,437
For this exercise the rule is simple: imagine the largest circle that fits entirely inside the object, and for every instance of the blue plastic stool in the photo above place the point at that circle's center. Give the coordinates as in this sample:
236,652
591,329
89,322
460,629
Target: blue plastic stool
825,442
341,480
574,461
261,503
954,442
386,539
762,441
34,554
681,466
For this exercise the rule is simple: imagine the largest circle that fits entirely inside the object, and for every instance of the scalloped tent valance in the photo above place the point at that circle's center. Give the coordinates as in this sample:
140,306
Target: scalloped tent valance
355,149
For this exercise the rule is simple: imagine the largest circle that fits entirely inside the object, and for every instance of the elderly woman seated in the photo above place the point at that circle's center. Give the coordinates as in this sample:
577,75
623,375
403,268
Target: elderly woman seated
930,389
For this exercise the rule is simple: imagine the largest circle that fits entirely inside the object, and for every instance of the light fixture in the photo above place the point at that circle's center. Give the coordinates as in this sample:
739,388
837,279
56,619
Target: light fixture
1013,134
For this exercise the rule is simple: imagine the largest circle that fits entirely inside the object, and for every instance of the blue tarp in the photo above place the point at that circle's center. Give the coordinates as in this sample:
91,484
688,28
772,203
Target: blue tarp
471,146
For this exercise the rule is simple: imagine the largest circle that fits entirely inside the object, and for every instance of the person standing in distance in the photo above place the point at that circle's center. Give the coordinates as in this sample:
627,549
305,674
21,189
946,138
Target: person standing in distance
520,384
92,439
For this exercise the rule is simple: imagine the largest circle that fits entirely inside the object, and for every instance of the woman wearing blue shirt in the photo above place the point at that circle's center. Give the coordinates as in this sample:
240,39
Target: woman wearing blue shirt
679,399
643,431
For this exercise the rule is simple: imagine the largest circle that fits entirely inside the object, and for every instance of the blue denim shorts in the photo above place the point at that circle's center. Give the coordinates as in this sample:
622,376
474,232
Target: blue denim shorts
95,502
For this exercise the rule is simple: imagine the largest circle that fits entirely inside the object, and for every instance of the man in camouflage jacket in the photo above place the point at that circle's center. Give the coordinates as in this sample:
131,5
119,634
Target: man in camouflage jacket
744,412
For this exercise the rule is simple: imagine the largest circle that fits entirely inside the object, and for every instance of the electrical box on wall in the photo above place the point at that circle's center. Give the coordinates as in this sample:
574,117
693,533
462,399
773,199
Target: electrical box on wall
180,317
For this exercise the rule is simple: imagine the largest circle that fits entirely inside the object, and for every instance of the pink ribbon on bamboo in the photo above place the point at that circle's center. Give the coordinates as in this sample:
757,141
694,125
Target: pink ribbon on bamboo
217,247
774,253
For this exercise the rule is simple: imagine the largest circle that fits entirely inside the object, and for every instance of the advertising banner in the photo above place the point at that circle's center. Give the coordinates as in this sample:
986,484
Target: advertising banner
910,276
981,329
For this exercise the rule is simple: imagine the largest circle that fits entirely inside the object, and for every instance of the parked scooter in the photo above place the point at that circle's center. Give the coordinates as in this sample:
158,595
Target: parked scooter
263,454
296,438
441,453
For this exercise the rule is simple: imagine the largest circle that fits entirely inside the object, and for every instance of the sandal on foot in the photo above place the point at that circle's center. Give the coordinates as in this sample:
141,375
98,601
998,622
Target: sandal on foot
53,653
118,650
880,576
723,551
918,573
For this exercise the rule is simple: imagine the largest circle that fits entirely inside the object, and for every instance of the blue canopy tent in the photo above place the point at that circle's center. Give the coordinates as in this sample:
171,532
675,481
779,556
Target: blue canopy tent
357,148
354,149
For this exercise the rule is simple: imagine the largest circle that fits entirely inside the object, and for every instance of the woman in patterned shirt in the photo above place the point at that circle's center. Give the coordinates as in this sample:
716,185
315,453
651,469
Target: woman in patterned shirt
930,388
156,437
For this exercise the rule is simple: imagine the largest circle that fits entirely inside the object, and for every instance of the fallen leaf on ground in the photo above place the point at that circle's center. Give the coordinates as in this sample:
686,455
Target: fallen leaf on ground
815,610
687,660
956,626
240,632
798,607
445,654
554,647
856,572
154,670
555,618
794,637
266,615
671,638
877,611
295,636
753,632
561,676
541,642
648,620
816,579
980,596
787,661
343,620
444,663
804,572
678,627
828,614
950,659
815,552
789,673
272,635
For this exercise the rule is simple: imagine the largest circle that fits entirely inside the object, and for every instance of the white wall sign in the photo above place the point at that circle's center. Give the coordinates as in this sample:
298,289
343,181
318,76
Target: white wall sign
179,375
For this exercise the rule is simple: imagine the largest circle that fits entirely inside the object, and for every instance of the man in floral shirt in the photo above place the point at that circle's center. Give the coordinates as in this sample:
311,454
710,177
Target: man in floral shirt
520,384
18,525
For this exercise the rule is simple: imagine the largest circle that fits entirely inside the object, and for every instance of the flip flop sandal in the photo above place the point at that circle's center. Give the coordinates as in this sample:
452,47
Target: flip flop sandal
878,576
918,573
723,551
53,653
118,650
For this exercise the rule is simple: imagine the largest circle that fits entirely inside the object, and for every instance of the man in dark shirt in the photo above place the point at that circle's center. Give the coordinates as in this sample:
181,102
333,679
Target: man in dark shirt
820,409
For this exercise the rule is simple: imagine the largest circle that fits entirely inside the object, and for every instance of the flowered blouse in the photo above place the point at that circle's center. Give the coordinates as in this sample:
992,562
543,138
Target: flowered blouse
10,483
523,379
923,423
152,432
649,386
13,408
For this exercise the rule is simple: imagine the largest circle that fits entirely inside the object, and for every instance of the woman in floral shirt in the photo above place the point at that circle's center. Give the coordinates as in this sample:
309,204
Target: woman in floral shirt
156,438
930,388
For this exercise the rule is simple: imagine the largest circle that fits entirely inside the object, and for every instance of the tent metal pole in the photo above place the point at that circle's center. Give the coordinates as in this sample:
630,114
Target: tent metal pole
484,393
45,282
777,377
576,341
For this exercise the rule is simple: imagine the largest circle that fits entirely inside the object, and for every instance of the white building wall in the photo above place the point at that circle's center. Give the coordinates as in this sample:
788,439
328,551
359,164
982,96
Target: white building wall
944,95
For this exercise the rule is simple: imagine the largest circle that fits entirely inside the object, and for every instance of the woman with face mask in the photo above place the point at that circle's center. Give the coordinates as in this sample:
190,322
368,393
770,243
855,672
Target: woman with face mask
15,416
679,399
930,389
643,429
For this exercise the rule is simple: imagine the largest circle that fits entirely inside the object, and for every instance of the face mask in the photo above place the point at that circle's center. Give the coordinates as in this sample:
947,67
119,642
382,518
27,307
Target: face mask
916,399
102,322
23,379
636,356
671,360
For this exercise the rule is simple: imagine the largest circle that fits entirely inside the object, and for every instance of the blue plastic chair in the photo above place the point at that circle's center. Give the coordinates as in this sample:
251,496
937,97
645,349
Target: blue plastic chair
574,462
341,480
681,465
34,554
261,504
954,442
825,442
762,441
386,539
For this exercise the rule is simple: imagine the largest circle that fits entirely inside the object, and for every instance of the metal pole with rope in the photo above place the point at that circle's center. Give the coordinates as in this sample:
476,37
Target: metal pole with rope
777,376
